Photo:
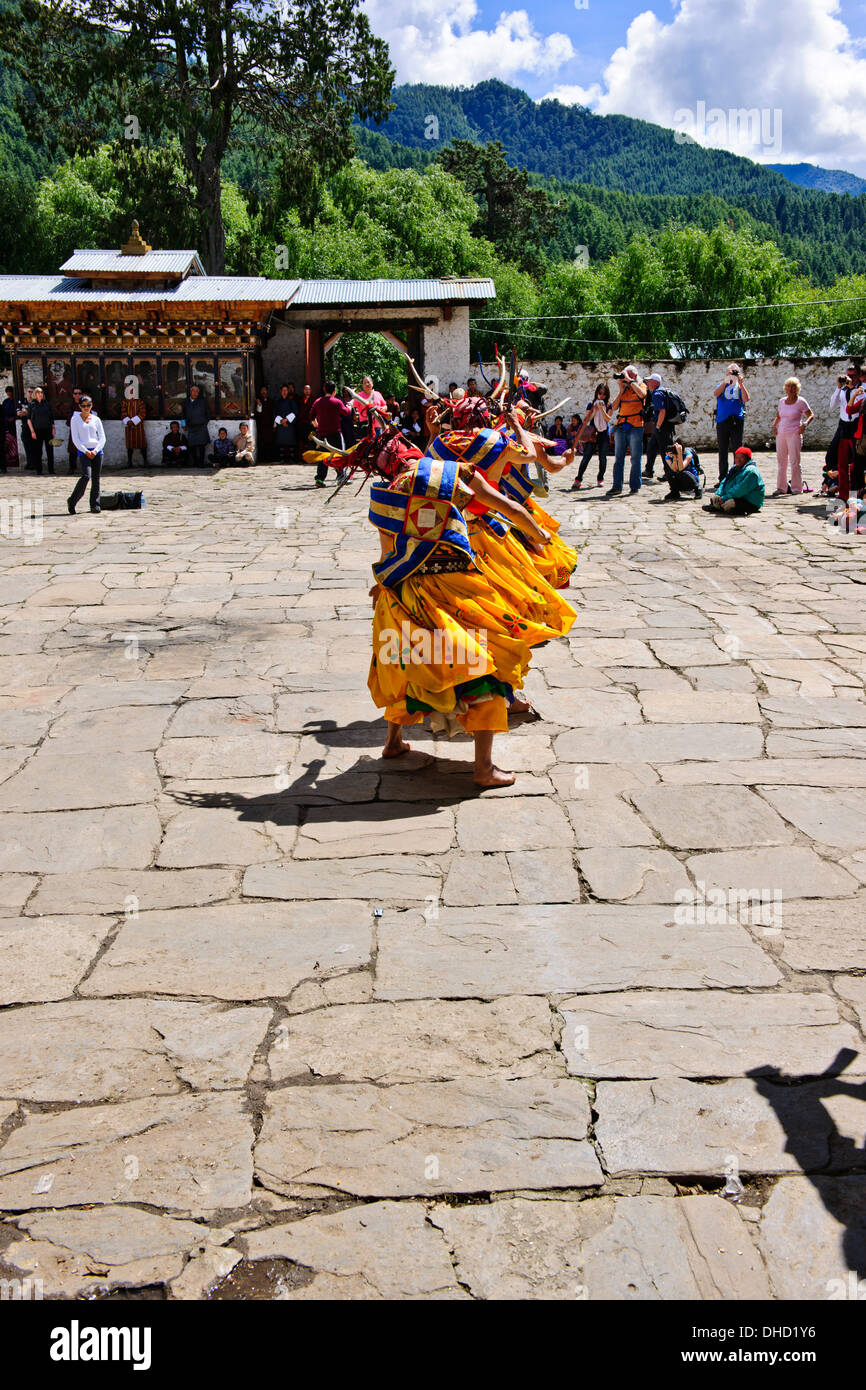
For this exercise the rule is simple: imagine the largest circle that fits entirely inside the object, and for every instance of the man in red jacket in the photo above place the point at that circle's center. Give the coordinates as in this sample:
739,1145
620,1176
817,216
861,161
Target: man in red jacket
327,415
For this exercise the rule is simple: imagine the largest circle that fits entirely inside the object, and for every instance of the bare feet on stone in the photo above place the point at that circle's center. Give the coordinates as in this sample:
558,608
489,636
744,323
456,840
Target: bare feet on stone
492,776
395,744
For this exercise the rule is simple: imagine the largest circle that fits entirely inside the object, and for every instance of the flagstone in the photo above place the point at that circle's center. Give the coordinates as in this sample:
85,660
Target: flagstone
617,1249
852,988
812,1236
44,958
215,835
694,818
251,754
429,1040
710,1033
62,1274
472,1135
794,871
187,1154
114,1235
15,889
836,818
702,706
486,824
683,1127
61,781
129,891
71,841
89,1050
240,951
607,821
637,875
544,875
122,729
480,953
382,828
660,743
381,878
382,1250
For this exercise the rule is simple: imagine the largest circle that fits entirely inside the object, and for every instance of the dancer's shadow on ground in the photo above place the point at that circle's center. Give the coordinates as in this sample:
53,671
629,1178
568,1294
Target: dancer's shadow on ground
420,783
824,1155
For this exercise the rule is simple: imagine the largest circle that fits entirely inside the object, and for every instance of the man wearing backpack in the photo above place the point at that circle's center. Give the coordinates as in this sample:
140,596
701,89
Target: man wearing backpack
665,416
732,397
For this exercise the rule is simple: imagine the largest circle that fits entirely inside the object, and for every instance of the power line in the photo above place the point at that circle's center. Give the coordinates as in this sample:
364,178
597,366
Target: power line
663,313
684,342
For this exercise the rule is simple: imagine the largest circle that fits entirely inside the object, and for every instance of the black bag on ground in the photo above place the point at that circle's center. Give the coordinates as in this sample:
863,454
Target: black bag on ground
121,501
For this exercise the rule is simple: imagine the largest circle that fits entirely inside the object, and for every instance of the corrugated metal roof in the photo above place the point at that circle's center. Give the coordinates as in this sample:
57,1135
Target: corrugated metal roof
372,292
295,294
152,262
42,289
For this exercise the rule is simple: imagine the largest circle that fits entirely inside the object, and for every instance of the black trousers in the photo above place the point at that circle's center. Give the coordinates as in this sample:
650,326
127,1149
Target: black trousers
42,437
681,483
196,455
88,469
599,447
657,443
729,434
336,441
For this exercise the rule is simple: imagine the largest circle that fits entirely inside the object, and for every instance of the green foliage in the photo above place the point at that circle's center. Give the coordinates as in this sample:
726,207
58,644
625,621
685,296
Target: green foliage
517,218
357,355
396,223
206,74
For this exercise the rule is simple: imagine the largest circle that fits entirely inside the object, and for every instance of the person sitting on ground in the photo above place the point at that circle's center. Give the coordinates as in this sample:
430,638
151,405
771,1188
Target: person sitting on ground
741,491
558,430
682,470
223,448
174,445
243,444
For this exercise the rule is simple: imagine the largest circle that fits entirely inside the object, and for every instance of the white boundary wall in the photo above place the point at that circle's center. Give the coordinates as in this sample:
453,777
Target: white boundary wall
695,382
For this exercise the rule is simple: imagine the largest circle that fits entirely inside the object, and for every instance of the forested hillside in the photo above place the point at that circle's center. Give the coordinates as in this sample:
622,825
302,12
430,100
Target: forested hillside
618,241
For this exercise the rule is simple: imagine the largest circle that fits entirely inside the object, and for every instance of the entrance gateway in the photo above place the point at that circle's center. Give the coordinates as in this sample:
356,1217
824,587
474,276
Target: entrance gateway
156,318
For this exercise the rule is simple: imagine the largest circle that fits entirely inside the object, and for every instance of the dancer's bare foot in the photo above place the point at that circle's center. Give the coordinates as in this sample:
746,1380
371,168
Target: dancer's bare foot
395,744
395,748
519,706
493,777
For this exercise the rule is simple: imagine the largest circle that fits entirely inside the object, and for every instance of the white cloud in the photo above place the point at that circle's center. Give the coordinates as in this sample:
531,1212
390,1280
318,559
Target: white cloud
797,59
575,96
438,41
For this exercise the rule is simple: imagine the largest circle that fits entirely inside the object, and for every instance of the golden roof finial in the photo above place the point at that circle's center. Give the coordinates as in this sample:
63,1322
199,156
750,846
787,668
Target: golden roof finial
136,246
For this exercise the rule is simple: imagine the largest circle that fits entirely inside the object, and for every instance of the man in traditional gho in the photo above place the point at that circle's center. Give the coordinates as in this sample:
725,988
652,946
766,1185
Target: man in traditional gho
133,412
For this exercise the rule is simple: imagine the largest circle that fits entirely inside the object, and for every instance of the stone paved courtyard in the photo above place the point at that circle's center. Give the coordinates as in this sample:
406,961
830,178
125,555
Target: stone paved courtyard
290,1022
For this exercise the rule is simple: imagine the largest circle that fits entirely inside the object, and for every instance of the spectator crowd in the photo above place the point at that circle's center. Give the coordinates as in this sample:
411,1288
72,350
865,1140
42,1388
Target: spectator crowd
635,422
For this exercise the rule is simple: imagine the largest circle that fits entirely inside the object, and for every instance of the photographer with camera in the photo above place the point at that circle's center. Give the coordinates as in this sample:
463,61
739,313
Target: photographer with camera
732,397
682,468
628,433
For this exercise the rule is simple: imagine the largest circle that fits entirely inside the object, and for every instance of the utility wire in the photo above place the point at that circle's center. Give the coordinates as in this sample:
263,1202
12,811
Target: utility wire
683,342
663,313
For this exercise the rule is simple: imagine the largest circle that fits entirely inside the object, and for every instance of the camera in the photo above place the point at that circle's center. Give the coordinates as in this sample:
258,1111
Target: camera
619,376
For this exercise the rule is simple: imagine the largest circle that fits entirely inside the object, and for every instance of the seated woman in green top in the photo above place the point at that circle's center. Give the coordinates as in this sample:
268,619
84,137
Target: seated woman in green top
741,491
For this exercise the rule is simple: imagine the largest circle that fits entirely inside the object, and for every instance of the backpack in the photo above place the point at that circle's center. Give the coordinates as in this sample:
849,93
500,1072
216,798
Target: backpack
676,409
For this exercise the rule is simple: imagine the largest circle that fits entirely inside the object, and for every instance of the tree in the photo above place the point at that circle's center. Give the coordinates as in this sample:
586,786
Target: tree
514,216
210,72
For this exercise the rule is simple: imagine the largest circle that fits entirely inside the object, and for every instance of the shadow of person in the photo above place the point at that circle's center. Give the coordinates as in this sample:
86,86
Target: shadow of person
418,785
797,1103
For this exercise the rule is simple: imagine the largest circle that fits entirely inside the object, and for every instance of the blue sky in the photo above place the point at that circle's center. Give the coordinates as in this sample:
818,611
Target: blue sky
779,82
